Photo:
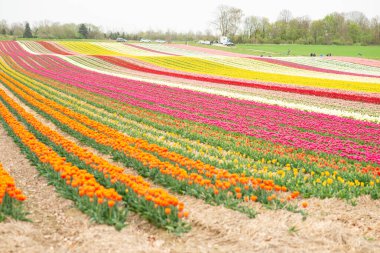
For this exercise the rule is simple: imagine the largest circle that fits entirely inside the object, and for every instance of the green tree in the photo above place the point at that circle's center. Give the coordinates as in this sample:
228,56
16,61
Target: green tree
27,31
375,30
354,32
83,31
317,30
252,26
3,27
335,28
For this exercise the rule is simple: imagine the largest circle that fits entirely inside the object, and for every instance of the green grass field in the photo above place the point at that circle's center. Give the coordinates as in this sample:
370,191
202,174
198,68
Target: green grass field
302,50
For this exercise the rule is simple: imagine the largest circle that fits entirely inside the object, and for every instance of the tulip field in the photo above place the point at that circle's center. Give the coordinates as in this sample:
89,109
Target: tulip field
156,134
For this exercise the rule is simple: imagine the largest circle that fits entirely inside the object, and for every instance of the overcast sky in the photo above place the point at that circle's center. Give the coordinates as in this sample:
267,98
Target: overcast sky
177,15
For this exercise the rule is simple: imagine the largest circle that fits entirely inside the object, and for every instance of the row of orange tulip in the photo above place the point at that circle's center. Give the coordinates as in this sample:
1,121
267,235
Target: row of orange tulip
8,186
77,178
116,174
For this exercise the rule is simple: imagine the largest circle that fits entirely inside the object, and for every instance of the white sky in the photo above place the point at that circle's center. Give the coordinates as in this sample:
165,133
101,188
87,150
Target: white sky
179,15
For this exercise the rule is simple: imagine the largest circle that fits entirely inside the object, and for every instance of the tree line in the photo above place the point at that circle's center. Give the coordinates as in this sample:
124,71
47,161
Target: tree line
334,28
50,30
55,30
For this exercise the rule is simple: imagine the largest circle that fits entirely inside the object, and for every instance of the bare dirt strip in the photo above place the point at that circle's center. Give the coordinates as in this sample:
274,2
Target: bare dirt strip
331,226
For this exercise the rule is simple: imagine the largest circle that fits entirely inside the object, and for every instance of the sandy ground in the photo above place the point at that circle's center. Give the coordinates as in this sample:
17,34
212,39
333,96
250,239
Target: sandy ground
331,226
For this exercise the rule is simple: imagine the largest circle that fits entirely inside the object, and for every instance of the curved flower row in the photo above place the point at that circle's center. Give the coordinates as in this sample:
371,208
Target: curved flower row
54,48
127,49
226,185
87,187
261,167
197,65
349,129
137,191
11,197
78,178
173,49
245,64
185,109
362,61
284,137
328,159
331,63
87,48
336,107
8,186
35,47
261,65
317,65
300,65
298,89
335,62
328,92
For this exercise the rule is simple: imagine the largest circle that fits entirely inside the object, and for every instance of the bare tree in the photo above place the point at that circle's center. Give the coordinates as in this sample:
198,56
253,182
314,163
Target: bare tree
375,27
94,32
297,29
358,18
285,16
228,20
281,26
265,27
317,30
17,29
209,35
4,29
252,25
